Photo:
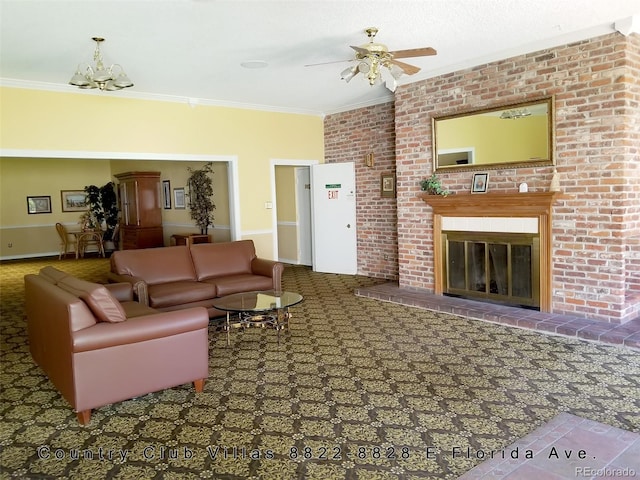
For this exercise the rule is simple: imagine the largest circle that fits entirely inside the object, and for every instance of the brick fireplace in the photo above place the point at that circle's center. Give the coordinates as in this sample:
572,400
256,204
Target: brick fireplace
594,247
506,222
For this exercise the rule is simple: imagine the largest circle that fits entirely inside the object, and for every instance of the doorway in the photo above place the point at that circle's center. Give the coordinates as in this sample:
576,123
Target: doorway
291,215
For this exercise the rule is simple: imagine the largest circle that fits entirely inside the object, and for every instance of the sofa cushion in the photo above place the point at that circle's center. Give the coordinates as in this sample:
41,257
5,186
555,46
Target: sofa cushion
103,305
240,283
52,274
212,260
155,265
178,293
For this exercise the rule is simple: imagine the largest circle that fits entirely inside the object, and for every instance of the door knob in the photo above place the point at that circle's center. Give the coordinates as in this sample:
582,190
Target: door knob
348,225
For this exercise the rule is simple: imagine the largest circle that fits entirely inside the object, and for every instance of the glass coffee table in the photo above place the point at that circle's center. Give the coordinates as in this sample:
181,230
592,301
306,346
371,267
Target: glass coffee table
267,308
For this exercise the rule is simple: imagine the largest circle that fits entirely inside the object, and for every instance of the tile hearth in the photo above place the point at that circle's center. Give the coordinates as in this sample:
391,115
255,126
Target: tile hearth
627,334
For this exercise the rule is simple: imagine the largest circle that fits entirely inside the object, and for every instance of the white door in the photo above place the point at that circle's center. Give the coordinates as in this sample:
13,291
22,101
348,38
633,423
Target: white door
333,201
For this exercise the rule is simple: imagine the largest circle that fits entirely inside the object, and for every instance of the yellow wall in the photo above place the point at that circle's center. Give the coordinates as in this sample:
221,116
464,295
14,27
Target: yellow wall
43,121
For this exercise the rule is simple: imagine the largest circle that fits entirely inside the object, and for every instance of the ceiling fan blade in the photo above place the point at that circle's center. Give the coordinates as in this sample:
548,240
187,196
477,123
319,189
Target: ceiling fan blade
327,63
413,52
360,50
406,68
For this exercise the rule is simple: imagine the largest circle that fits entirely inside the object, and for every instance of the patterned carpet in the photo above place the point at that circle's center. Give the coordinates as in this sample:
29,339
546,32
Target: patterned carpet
358,389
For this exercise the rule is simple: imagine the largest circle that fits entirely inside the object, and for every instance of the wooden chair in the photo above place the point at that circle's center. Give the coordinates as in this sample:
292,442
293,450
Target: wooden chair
68,243
89,237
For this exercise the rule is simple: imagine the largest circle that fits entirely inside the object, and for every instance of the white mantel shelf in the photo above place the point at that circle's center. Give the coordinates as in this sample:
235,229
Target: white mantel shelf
533,204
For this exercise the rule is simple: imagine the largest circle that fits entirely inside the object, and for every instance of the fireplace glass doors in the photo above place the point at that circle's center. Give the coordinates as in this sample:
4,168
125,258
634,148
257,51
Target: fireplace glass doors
501,267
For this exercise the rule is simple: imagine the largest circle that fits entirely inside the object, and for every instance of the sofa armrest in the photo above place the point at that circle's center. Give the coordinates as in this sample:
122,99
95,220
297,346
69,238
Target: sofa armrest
139,329
140,289
123,291
268,268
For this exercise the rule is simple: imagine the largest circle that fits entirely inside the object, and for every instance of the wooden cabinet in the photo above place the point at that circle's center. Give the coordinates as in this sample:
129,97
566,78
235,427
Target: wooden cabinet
141,210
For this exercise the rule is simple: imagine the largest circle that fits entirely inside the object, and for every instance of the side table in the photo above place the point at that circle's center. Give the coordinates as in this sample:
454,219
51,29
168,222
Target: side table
189,238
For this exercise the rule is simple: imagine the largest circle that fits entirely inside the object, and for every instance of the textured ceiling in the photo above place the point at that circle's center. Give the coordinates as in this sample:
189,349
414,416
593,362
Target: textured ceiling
192,49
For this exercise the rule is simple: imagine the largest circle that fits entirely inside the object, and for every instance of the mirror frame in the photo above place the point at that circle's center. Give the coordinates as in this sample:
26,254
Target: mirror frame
550,101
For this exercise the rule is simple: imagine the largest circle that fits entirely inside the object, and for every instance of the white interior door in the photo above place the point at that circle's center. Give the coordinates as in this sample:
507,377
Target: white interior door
333,201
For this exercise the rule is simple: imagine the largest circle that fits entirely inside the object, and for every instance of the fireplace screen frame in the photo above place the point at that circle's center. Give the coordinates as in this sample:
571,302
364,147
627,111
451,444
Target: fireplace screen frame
468,239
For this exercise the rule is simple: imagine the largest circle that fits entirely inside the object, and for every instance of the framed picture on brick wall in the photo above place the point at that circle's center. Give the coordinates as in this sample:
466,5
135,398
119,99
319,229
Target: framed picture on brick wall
479,183
387,185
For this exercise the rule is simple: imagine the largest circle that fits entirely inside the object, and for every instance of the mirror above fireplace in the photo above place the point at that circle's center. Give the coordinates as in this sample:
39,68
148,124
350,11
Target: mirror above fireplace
513,135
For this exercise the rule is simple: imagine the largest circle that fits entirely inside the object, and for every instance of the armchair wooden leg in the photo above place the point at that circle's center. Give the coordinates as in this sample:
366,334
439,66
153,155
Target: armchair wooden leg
199,385
84,417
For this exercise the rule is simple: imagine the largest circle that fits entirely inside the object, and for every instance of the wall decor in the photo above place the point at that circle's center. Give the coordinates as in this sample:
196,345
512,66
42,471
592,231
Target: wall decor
178,198
387,185
479,183
74,200
39,204
166,194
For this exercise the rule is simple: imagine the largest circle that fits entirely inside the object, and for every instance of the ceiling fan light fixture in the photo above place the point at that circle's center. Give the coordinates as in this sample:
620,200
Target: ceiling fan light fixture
364,66
100,76
396,71
348,73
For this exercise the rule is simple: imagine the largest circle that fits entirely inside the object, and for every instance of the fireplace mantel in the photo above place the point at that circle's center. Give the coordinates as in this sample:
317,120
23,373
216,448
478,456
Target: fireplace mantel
494,204
534,204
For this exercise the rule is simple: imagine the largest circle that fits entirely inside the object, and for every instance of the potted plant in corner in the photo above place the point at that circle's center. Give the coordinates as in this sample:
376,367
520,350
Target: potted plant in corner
433,186
200,195
103,208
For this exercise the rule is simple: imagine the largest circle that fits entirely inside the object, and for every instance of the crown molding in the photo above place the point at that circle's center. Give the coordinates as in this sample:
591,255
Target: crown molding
132,94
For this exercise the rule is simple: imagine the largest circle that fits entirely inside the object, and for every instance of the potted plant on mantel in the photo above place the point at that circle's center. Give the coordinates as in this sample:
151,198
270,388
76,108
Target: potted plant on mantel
200,195
433,186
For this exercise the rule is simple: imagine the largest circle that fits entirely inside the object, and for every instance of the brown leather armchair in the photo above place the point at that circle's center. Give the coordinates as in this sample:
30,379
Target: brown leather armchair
124,351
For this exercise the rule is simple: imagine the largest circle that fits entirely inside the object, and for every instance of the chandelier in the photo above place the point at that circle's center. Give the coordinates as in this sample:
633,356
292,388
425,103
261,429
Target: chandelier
105,78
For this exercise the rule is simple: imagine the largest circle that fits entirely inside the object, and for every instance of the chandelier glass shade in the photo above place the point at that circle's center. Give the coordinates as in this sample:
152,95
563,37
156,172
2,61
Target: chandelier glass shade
98,76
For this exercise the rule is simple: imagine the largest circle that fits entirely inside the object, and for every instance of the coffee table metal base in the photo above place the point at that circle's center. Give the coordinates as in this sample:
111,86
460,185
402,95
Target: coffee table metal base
277,319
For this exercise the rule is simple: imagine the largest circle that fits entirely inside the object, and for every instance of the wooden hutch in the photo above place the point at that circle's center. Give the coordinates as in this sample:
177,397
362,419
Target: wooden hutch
141,210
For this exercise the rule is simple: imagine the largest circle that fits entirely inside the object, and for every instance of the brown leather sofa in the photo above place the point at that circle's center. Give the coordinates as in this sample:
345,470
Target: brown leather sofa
173,278
99,346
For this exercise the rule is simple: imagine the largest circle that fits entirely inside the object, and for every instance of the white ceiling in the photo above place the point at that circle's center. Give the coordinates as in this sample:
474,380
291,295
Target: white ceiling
191,50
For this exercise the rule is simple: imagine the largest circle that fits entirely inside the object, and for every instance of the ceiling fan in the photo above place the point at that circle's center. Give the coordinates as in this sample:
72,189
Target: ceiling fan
374,61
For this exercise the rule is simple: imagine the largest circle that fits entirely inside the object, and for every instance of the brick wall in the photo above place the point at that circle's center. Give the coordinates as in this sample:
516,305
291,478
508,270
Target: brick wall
349,137
595,84
596,234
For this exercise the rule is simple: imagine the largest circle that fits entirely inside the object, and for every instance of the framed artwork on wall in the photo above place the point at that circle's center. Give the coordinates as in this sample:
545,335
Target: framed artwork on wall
480,183
74,200
178,198
39,204
387,185
166,194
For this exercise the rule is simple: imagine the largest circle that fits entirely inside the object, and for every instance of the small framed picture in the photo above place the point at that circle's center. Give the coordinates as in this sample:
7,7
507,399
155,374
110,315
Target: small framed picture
166,194
480,182
387,185
74,200
40,204
178,198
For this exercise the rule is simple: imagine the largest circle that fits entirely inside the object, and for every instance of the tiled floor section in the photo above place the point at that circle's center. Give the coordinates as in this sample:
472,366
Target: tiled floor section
627,334
607,452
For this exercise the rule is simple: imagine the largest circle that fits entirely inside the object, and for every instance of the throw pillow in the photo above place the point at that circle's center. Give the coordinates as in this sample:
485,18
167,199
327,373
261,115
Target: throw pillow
103,305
